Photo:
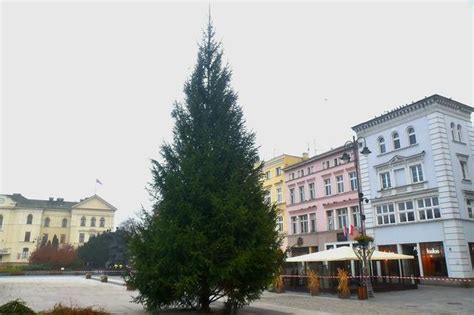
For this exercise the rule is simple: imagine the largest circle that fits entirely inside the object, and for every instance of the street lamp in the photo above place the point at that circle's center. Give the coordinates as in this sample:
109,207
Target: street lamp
363,252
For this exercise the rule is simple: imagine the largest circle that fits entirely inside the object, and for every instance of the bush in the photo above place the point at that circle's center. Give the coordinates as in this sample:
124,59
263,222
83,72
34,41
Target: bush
60,309
54,257
16,307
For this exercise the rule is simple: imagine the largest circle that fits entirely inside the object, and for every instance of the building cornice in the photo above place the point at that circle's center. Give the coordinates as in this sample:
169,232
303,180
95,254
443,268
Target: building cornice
416,106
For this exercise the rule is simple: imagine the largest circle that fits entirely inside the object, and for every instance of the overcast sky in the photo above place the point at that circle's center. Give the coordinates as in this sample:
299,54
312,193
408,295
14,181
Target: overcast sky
87,88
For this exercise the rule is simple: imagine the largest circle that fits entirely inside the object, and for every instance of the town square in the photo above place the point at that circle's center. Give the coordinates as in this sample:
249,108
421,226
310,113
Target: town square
237,157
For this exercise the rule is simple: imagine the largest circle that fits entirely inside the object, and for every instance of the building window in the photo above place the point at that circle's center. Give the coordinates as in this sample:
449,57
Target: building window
355,216
93,221
385,179
336,162
294,226
385,214
312,192
382,148
303,223
459,133
309,170
102,221
416,173
27,236
464,170
312,222
46,222
278,171
81,237
1,221
341,217
330,220
470,205
453,131
353,179
406,212
62,239
29,219
280,223
279,195
327,186
267,174
411,136
396,141
267,199
340,183
301,189
433,260
428,208
64,223
24,253
292,195
83,221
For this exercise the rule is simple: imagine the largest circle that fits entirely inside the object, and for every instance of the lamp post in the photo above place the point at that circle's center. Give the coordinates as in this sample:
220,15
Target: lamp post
363,252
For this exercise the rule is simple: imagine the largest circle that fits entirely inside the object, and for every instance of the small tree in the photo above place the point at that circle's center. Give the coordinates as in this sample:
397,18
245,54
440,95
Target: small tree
55,242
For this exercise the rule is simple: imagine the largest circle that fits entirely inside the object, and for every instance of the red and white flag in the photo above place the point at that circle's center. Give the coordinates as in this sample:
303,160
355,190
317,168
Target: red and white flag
351,229
345,230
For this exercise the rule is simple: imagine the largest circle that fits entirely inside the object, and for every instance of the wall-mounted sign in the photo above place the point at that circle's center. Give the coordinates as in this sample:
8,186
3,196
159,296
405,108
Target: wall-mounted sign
432,251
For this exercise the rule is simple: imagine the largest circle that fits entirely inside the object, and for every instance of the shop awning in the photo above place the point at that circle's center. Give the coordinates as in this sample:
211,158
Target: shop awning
345,253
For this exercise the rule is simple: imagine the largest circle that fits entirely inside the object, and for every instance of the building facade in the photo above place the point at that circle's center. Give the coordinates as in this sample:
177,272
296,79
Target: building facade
419,182
322,203
273,184
25,223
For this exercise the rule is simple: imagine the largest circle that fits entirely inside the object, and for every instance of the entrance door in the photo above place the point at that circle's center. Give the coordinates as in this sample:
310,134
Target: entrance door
410,266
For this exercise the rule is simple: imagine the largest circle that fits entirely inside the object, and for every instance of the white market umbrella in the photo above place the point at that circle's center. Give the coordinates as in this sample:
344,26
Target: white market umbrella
345,253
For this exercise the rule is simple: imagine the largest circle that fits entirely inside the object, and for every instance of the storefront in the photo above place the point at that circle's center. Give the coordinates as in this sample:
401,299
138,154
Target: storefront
433,259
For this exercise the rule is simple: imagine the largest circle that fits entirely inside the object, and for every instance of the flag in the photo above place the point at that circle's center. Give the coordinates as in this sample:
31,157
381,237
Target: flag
351,230
344,230
98,181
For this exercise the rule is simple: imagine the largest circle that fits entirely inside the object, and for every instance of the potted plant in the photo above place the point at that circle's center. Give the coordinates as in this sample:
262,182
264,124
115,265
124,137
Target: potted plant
343,287
103,278
88,275
362,293
279,284
364,240
313,283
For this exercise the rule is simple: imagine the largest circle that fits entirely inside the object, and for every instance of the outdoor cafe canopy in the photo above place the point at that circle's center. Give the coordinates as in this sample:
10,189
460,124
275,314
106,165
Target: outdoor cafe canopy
345,253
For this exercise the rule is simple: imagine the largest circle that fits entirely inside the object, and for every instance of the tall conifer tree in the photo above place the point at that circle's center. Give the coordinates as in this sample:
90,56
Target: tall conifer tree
211,234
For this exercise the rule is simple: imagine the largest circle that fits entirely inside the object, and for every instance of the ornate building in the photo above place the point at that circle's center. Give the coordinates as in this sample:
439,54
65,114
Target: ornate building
25,223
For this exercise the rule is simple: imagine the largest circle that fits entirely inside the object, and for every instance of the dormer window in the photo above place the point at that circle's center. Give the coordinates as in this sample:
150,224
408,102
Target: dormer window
411,135
382,148
396,141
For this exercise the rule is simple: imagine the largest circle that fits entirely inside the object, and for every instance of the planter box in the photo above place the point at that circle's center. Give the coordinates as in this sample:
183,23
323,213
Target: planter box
103,278
362,293
88,275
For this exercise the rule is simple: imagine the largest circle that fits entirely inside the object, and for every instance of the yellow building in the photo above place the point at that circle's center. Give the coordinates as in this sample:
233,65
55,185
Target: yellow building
274,185
24,223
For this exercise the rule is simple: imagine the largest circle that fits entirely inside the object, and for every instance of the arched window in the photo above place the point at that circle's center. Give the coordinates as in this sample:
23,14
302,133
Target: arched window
102,222
459,133
46,222
29,219
396,140
93,221
83,221
64,224
411,135
1,221
382,145
453,131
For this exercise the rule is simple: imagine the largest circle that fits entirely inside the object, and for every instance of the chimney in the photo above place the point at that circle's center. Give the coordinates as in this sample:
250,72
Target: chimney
305,156
51,199
60,199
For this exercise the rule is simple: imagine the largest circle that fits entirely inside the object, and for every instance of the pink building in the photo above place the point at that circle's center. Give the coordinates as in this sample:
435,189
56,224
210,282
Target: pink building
322,202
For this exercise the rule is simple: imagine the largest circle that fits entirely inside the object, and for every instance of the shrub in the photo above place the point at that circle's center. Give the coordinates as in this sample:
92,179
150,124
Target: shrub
60,309
55,257
16,307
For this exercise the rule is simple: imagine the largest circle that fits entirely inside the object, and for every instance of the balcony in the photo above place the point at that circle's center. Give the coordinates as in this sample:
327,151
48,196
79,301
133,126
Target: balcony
4,251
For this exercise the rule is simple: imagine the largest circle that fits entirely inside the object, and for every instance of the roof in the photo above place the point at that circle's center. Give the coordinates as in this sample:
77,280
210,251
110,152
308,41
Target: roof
51,203
59,203
317,157
427,101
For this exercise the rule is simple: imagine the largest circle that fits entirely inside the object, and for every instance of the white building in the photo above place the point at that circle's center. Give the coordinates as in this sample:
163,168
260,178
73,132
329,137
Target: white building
418,179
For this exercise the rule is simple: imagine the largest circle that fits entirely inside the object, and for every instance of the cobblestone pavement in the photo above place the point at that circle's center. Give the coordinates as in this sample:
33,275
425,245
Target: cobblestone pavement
42,292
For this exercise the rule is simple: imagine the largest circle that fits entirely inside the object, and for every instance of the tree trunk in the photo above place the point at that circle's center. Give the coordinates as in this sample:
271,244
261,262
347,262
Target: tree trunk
204,297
